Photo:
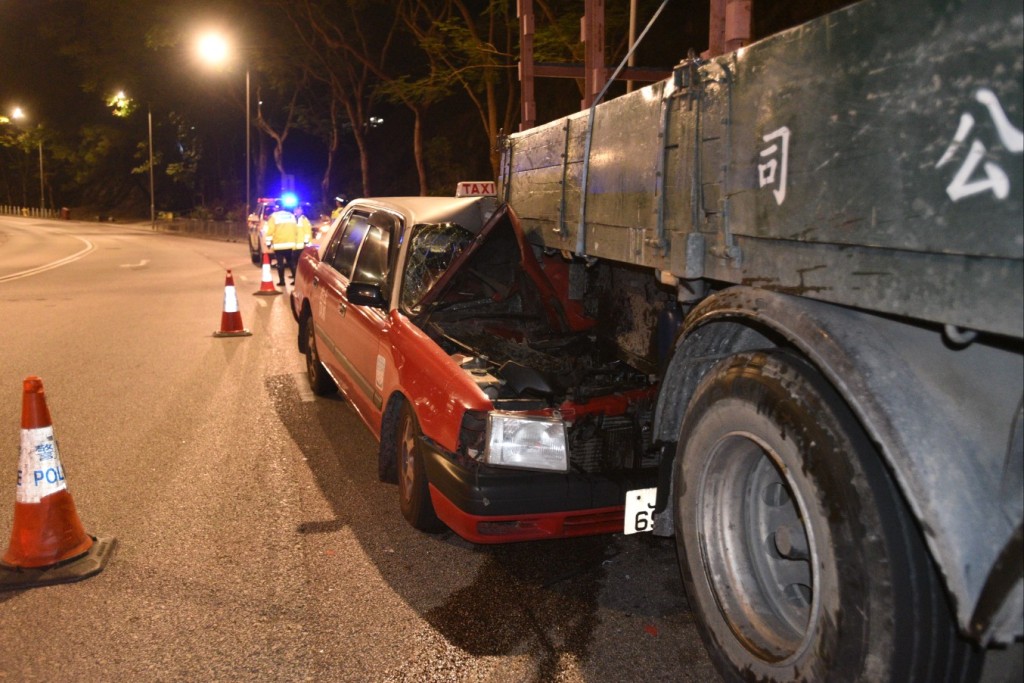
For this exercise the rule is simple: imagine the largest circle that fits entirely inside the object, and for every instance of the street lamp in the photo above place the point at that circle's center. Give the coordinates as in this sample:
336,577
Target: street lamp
214,49
17,115
152,185
121,104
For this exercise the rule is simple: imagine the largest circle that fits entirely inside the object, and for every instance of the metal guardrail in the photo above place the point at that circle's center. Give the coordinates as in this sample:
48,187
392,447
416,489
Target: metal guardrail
222,229
227,230
27,212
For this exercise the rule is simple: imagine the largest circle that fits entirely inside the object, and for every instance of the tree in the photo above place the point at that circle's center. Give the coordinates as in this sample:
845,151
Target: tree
348,45
473,47
284,127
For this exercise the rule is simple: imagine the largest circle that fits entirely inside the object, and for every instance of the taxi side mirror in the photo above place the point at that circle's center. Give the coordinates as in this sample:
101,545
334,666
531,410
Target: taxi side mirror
366,294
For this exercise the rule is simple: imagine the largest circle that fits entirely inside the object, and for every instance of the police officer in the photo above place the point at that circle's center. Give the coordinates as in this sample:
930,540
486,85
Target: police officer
285,239
305,229
339,206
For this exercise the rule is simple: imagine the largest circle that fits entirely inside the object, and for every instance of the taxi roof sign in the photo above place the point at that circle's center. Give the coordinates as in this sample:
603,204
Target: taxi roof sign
476,188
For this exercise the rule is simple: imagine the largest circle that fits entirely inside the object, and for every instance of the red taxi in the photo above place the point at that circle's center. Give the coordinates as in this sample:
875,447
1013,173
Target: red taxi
499,411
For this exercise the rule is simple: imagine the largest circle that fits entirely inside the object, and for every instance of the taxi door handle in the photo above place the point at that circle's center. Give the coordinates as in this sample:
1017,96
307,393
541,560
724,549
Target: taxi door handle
342,307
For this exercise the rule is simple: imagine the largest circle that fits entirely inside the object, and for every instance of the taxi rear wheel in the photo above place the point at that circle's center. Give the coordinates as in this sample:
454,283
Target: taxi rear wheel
319,381
413,492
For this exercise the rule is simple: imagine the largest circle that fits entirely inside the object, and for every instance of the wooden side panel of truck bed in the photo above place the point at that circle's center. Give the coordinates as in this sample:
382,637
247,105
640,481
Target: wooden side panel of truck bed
871,158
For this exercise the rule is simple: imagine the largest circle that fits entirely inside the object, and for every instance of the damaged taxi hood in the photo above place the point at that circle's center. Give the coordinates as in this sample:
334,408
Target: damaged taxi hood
500,261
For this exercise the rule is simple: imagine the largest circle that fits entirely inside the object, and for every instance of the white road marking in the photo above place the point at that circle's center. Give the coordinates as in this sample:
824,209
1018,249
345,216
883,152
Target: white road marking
89,246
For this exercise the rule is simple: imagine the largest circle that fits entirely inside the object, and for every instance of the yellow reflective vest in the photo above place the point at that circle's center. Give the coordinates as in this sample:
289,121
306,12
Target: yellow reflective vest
305,231
283,231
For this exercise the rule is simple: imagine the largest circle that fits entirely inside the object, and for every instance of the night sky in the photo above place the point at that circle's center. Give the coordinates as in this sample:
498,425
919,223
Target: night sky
32,75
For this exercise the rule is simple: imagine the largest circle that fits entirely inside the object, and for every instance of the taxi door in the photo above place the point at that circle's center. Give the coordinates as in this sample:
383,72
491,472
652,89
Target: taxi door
364,329
349,335
328,302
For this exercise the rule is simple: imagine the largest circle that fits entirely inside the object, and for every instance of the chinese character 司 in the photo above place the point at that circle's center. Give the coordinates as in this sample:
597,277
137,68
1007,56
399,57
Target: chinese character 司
774,171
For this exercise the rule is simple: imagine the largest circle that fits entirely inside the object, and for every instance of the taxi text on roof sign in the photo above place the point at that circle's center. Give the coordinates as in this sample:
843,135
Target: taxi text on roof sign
475,188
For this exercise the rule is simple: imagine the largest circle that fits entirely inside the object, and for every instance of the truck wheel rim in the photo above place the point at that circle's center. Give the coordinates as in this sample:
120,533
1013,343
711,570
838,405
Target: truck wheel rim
758,551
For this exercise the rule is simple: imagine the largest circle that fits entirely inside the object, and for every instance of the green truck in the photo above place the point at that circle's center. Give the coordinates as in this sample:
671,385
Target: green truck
816,242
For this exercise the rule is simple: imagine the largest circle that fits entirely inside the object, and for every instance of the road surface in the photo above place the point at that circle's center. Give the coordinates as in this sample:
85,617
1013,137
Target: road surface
254,540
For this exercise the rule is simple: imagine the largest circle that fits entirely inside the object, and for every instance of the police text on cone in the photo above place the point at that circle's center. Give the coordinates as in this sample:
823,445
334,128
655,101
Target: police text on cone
47,529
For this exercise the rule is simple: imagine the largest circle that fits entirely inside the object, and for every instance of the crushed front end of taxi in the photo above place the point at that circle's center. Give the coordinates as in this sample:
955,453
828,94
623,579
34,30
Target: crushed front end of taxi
569,429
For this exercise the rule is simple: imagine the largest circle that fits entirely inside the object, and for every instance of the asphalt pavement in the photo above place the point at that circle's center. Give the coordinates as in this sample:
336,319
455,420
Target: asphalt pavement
254,541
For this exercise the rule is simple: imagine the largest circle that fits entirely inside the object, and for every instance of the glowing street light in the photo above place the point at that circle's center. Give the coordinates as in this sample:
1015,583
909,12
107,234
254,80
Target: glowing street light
121,103
213,49
123,107
17,114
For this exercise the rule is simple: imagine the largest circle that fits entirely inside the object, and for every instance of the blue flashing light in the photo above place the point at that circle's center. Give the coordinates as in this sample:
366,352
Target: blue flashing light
289,200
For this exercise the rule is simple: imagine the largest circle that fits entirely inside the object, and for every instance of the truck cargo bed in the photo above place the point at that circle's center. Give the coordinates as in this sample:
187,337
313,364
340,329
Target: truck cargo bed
820,162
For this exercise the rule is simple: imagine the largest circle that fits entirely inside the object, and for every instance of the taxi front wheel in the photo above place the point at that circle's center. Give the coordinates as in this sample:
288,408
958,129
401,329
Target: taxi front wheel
319,381
413,492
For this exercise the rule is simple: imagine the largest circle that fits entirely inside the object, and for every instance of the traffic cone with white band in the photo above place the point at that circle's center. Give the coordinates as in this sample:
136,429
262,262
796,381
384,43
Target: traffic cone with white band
231,319
48,542
266,280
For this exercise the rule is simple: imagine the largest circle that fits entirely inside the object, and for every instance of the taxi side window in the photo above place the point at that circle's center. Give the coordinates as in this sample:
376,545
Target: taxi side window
341,253
372,264
332,246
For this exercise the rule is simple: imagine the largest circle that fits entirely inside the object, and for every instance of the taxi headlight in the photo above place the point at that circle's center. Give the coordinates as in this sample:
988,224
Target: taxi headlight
526,442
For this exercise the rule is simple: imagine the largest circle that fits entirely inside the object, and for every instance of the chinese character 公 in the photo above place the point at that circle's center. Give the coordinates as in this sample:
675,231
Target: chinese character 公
995,178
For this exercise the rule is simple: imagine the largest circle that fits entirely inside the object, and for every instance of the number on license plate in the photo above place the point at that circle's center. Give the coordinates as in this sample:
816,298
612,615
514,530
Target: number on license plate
640,511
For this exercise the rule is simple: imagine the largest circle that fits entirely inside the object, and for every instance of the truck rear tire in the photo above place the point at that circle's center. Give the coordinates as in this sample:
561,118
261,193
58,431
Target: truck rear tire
796,550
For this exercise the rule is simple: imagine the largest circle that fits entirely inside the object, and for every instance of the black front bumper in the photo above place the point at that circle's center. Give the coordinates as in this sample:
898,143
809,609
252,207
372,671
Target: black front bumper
479,490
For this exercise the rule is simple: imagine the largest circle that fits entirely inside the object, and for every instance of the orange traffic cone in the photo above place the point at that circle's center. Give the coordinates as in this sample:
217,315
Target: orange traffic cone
231,319
48,543
266,280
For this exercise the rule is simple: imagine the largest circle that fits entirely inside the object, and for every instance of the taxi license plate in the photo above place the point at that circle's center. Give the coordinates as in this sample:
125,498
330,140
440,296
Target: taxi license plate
640,511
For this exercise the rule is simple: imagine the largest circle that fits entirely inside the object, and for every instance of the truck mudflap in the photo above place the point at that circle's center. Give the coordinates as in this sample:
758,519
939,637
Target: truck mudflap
1000,607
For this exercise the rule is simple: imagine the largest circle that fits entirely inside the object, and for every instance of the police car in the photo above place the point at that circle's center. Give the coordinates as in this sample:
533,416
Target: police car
257,223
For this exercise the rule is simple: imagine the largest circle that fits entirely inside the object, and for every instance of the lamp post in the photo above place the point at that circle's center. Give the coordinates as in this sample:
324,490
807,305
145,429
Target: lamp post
122,108
152,185
42,191
248,145
18,114
213,49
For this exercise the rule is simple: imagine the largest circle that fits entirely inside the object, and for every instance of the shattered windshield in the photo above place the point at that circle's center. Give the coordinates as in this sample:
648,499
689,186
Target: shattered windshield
431,252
